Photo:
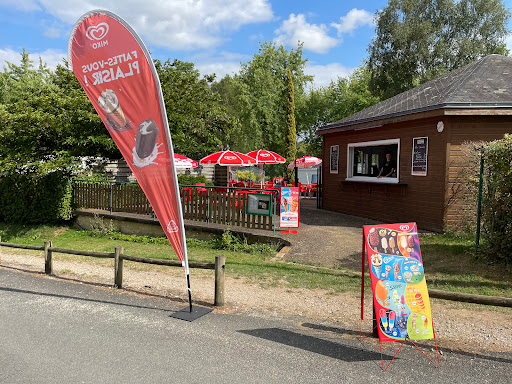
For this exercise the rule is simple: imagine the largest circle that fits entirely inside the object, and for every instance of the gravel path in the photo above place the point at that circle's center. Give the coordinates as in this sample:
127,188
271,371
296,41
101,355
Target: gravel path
459,327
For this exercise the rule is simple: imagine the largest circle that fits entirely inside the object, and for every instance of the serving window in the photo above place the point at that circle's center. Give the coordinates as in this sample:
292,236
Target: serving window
365,160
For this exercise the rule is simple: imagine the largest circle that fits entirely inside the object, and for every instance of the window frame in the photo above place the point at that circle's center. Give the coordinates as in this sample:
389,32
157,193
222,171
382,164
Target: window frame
374,143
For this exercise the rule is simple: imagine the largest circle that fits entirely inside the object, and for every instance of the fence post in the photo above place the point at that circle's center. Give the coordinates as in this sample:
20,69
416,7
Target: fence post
0,249
48,263
118,267
220,267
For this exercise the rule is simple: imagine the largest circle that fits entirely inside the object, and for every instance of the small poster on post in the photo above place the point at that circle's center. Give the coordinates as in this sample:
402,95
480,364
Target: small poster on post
335,152
289,207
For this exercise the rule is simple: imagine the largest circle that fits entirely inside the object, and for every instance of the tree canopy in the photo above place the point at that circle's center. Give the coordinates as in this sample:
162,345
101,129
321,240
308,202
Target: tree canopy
418,40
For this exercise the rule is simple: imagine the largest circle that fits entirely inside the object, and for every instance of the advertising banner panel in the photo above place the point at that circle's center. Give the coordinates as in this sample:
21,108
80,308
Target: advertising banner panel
400,294
117,74
290,207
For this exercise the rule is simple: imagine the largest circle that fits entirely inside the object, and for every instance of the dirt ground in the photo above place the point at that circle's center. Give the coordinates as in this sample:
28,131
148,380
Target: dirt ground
459,327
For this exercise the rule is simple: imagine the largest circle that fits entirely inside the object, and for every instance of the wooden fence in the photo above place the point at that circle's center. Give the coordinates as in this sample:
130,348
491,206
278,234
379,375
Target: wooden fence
207,204
119,257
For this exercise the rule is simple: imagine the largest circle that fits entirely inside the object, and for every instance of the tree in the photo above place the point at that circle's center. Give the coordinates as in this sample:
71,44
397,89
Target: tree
341,98
198,120
47,120
290,137
418,40
258,97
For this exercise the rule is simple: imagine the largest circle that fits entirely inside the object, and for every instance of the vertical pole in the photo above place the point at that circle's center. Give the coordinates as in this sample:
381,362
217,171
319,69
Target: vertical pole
110,201
220,268
479,207
0,249
118,267
189,293
48,264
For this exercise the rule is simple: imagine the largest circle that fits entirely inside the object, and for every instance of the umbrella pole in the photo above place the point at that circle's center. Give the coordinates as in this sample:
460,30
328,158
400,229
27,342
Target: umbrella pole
261,175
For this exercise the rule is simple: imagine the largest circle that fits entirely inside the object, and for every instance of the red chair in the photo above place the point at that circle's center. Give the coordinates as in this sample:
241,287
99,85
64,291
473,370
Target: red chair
201,189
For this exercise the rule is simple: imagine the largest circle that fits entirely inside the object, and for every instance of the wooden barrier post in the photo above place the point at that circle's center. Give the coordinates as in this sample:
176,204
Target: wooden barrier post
48,262
220,267
118,267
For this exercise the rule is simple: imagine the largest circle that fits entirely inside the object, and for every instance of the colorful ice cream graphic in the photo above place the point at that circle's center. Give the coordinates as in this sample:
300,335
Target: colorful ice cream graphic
384,243
383,318
376,260
396,270
373,238
110,104
419,300
146,148
391,320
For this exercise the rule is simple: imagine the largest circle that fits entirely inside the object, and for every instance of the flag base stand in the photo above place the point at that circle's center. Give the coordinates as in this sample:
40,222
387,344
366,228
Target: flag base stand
289,231
185,314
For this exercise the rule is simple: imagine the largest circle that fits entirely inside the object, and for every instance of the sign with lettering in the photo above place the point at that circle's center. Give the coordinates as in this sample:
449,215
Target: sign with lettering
259,204
419,156
400,294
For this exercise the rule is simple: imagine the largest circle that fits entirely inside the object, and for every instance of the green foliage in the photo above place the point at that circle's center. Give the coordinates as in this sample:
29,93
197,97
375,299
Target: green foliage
36,196
193,180
228,241
198,120
418,40
258,97
247,175
497,200
290,136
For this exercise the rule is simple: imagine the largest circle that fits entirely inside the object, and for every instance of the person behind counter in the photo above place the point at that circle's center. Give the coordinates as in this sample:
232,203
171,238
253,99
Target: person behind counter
388,167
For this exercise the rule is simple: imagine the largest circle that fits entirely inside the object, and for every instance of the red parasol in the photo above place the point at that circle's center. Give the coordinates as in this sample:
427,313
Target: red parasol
263,156
228,158
181,161
305,162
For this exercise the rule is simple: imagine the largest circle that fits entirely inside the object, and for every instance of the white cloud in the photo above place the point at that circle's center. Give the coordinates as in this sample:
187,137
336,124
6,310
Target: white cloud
314,37
22,5
354,19
51,57
173,24
324,74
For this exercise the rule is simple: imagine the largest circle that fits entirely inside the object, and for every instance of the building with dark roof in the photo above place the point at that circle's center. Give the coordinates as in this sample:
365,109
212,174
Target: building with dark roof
424,129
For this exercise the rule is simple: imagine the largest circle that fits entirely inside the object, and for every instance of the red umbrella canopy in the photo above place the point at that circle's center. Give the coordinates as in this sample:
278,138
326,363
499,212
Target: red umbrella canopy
181,161
305,162
263,156
228,158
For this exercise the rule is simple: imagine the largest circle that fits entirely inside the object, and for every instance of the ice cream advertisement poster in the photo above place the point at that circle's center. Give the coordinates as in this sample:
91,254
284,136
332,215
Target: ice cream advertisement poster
400,294
117,73
289,207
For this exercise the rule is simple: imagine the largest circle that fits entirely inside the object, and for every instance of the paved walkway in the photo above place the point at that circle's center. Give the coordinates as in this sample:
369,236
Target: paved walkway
325,237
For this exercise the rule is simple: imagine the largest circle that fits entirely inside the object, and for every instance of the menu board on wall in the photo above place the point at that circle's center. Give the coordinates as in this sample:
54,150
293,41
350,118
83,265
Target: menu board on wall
400,294
419,156
335,151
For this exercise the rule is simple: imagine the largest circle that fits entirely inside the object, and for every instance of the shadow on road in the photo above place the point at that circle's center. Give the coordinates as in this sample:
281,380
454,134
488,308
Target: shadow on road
314,344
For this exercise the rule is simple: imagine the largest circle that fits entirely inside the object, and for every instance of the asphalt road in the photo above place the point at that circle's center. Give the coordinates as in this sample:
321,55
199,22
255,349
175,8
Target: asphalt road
58,331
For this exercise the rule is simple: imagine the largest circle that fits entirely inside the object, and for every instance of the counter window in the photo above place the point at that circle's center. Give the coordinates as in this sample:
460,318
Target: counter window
375,161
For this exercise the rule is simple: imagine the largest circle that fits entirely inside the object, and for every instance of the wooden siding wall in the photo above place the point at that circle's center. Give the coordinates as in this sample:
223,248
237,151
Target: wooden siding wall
416,198
461,210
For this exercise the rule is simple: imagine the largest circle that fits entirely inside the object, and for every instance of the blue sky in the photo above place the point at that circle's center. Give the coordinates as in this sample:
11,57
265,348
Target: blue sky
216,35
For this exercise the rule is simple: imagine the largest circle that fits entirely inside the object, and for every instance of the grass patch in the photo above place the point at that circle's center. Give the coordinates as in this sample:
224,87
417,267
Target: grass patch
449,259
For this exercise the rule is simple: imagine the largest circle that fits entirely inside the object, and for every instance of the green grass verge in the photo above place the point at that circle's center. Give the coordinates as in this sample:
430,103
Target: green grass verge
449,259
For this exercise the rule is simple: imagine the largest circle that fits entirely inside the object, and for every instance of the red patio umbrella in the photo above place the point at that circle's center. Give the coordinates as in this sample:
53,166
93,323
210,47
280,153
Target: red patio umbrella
264,156
228,159
305,162
181,161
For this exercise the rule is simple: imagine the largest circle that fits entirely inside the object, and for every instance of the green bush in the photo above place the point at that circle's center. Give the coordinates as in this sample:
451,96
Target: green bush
248,176
36,196
193,180
497,200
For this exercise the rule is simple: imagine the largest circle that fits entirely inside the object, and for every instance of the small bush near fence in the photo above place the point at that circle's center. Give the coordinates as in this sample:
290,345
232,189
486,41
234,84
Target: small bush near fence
35,197
497,200
193,180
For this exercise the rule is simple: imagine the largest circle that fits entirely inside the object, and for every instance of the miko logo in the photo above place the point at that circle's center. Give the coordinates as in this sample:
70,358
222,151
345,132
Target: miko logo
404,228
172,227
265,155
230,157
97,32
